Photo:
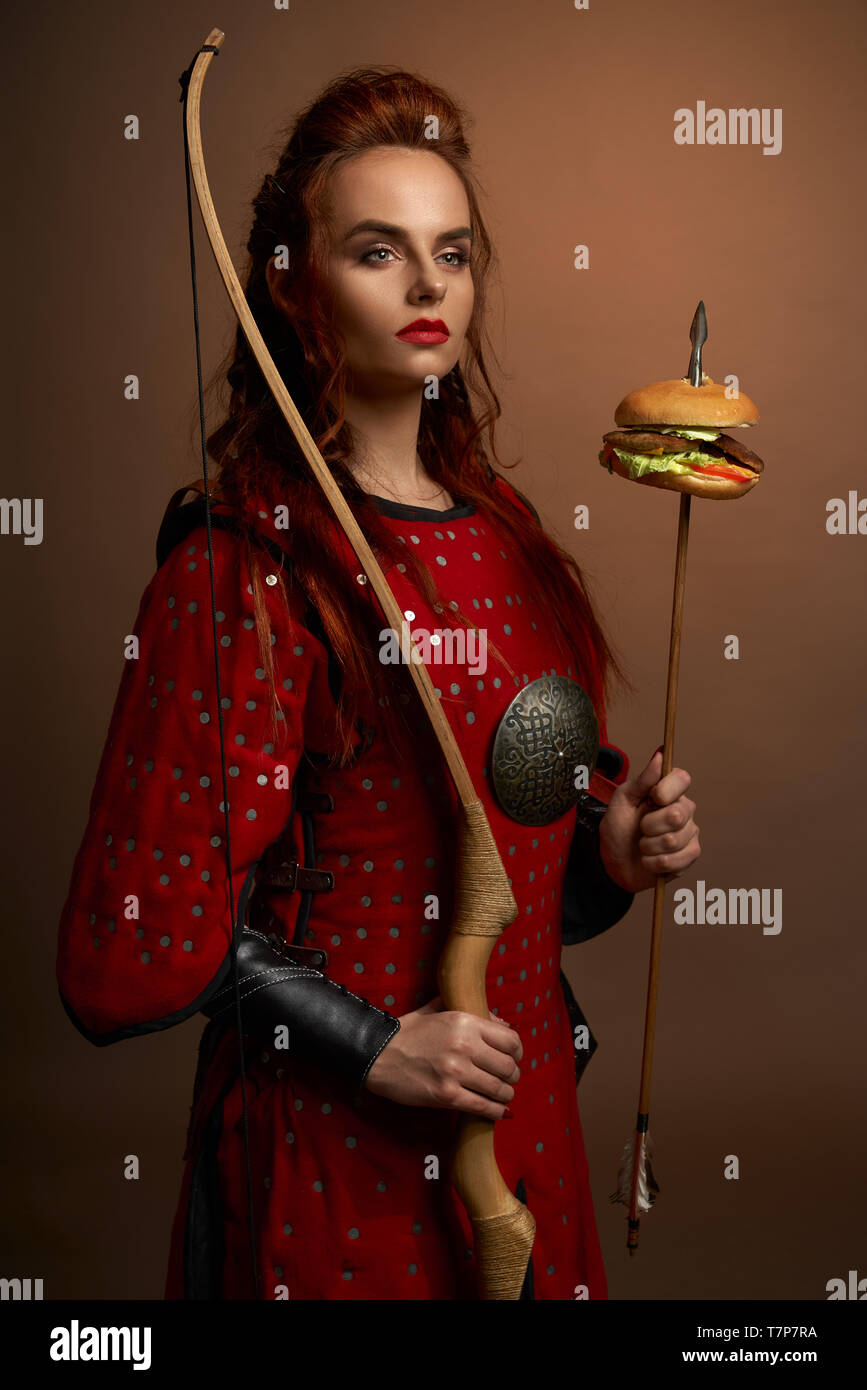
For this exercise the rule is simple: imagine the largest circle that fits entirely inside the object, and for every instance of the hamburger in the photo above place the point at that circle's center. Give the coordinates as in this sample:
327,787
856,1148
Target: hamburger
672,435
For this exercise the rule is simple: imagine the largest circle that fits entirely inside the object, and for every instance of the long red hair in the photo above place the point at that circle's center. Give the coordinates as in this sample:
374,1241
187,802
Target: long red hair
258,456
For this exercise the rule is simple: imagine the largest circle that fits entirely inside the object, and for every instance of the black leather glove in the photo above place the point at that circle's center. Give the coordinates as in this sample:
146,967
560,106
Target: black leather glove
328,1024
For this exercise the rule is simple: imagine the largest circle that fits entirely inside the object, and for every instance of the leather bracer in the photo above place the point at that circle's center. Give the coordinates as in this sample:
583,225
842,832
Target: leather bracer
328,1024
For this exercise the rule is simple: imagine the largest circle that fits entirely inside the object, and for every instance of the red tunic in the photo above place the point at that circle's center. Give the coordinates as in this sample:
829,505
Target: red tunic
351,1192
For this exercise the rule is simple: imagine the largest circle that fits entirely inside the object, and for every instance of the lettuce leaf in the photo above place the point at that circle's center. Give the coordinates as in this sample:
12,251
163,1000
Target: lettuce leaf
639,464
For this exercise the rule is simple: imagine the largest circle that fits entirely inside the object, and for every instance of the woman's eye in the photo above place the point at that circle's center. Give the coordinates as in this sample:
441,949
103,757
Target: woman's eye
377,254
377,251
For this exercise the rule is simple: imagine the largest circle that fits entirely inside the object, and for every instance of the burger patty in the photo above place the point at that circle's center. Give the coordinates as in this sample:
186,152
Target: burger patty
639,441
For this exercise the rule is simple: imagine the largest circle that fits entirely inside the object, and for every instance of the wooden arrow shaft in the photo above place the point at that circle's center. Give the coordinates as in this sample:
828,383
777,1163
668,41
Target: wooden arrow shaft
659,886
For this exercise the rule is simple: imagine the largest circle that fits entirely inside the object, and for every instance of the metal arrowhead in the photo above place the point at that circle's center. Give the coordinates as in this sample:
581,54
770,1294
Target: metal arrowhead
698,337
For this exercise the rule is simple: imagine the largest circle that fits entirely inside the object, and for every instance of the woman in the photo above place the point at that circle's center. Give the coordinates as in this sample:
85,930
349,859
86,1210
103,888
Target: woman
331,1148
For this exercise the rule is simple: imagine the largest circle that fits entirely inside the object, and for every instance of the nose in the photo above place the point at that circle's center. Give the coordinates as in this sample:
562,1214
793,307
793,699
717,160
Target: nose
428,288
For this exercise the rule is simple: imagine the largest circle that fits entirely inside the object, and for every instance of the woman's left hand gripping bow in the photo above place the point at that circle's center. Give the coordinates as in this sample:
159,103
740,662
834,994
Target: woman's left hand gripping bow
649,828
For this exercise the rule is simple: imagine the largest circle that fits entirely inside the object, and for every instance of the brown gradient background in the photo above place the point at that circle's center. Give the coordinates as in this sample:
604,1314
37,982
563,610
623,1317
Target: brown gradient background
760,1048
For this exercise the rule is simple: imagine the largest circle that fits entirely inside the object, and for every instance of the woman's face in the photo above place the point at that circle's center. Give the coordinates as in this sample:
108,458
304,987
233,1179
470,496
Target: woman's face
400,239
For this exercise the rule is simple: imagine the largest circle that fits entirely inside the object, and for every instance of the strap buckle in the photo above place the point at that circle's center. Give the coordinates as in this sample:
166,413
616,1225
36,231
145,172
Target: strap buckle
289,876
313,956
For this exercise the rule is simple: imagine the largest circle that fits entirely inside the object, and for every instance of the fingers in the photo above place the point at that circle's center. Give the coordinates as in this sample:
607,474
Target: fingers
495,1018
503,1042
500,1065
481,1082
471,1103
673,819
476,1092
669,840
650,785
671,853
672,865
669,837
479,1072
668,788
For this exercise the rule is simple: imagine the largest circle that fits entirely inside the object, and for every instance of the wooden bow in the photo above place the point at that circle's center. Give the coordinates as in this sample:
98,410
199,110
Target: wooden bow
484,905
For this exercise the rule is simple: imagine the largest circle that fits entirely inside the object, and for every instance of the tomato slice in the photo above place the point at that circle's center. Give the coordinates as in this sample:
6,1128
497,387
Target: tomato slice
722,470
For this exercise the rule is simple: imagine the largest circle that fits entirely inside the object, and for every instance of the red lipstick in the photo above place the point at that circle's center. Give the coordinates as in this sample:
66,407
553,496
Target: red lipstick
425,331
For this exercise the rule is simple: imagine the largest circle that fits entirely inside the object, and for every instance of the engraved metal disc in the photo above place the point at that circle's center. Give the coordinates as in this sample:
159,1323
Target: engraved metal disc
548,732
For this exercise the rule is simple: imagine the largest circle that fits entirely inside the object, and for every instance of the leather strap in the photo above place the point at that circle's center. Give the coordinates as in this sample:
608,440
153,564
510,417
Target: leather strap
288,875
612,766
278,870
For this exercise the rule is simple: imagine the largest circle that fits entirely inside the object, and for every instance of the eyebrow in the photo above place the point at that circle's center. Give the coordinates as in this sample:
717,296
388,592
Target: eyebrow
389,229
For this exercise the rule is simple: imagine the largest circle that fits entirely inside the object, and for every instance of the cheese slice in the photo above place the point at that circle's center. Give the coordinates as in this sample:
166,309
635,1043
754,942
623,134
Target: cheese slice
708,435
